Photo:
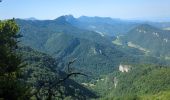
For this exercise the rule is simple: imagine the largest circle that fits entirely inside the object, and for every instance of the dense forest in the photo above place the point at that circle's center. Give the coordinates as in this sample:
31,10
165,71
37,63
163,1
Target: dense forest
65,59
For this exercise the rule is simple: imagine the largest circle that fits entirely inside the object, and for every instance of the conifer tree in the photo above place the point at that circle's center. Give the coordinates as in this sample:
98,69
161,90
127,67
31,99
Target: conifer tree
11,87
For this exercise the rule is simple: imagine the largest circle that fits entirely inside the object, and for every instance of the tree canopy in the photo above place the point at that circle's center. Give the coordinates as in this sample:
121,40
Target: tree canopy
11,87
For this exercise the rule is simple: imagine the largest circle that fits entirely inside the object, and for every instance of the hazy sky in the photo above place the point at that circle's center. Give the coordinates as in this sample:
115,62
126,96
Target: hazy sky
51,9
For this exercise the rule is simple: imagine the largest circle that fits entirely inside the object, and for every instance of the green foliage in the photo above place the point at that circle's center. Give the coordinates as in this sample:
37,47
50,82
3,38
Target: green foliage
153,39
96,56
163,95
143,82
41,70
63,41
11,86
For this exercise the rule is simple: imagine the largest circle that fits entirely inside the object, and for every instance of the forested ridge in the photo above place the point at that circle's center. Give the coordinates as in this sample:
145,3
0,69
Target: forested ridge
57,60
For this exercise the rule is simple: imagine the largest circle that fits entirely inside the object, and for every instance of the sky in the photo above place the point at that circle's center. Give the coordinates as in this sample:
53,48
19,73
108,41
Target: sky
51,9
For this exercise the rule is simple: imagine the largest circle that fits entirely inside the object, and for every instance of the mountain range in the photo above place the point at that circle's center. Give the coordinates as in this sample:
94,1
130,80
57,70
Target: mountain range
64,41
100,46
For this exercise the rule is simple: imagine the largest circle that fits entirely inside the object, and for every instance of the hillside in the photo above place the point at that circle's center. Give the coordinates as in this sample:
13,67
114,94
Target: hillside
150,39
41,68
141,82
64,42
100,57
103,25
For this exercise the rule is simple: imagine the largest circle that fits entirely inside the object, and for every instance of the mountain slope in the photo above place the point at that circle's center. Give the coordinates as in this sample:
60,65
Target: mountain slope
65,42
41,66
154,40
102,25
142,82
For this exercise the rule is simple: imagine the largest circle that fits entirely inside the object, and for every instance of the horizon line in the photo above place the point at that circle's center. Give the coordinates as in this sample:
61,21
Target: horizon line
154,19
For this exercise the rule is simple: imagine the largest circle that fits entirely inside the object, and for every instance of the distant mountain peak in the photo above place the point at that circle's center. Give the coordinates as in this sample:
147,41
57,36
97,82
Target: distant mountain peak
61,20
31,18
146,27
69,16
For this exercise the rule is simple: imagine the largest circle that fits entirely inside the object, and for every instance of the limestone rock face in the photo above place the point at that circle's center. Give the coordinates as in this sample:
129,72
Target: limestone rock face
124,68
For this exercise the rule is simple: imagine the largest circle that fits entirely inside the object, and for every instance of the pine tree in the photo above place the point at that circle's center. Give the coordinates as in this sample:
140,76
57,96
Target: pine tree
11,87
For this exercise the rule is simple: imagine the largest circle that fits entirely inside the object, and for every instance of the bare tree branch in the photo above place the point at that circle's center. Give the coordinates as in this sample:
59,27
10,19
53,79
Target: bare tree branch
69,64
51,84
67,77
